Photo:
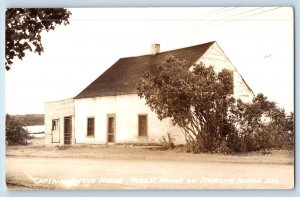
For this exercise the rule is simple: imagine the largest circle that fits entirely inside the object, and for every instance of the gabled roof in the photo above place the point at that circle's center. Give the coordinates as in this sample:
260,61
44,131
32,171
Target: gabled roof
122,77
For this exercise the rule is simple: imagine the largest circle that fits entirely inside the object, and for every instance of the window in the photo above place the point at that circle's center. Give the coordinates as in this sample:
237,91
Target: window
55,131
142,124
90,126
55,125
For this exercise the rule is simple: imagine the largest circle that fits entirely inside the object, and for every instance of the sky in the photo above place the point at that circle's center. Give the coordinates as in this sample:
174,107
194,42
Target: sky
259,41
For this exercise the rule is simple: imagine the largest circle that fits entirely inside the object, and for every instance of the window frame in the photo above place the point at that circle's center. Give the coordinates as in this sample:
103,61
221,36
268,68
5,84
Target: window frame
57,124
146,127
88,134
55,129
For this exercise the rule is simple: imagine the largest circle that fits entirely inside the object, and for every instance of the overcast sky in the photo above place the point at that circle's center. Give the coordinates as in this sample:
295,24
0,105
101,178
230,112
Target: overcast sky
258,41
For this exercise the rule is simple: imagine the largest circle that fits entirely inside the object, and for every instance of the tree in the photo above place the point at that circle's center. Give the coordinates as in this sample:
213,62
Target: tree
290,129
194,97
200,101
261,126
23,29
30,119
15,132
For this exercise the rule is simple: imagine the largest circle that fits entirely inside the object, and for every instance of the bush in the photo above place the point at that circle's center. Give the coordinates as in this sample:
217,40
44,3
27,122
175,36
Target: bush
15,133
196,146
200,101
168,143
223,148
259,126
194,99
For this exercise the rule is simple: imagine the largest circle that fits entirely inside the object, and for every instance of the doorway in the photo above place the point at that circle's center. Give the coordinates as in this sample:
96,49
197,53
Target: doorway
67,130
111,128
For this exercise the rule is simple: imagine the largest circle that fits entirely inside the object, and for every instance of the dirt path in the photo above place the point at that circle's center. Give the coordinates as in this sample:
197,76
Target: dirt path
98,173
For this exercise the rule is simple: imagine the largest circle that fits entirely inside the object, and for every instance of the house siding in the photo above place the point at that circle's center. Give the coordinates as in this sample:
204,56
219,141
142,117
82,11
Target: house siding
58,110
126,109
215,57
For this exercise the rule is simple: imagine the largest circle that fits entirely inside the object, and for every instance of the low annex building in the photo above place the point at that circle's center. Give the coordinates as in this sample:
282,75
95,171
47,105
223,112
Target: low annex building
110,111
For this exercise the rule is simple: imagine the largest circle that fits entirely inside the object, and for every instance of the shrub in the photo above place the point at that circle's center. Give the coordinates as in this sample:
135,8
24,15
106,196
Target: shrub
261,126
168,143
223,148
15,133
200,101
196,99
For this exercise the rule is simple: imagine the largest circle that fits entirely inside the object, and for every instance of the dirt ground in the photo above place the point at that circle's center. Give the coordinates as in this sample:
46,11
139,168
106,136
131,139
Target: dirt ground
130,167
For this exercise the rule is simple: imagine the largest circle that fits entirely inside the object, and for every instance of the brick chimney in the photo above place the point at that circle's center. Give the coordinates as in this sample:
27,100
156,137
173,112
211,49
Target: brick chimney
155,48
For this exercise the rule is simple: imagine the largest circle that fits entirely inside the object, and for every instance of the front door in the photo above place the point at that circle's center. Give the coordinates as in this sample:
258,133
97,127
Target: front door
111,128
67,130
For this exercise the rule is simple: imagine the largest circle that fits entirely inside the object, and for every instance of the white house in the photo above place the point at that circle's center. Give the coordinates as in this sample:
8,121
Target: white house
109,110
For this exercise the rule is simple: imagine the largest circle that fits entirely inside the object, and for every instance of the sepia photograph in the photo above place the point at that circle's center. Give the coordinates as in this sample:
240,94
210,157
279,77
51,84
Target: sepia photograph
149,98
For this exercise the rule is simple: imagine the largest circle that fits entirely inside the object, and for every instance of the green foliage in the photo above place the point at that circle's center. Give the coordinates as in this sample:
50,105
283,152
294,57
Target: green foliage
15,133
24,26
200,101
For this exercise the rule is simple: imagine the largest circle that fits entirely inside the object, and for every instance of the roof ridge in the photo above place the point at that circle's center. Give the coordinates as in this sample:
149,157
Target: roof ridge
182,48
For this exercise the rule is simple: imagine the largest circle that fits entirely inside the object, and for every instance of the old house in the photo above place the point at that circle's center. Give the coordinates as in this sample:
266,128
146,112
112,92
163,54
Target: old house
109,110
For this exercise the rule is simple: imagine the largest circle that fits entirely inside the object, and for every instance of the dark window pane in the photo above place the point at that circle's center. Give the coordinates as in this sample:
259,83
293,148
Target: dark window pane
90,126
111,138
143,125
